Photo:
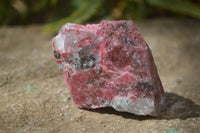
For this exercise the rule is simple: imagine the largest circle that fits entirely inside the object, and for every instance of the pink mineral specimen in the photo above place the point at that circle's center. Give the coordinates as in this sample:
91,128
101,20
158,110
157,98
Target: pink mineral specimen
109,65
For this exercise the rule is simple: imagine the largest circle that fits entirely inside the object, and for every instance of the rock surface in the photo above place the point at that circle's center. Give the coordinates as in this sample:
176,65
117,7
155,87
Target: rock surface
109,64
174,43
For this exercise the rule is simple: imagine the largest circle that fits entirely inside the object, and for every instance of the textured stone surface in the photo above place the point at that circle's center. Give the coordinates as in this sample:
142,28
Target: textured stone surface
174,44
109,64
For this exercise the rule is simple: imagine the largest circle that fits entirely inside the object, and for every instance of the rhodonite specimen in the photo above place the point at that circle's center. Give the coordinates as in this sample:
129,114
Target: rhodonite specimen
109,65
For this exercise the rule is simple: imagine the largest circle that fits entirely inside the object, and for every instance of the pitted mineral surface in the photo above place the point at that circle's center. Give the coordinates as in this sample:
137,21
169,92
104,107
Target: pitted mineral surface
109,65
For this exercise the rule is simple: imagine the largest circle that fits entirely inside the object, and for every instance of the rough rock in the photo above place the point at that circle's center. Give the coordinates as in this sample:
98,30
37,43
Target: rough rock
109,65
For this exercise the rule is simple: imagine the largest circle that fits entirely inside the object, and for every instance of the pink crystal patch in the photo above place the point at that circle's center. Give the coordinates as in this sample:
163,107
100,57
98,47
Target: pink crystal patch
109,65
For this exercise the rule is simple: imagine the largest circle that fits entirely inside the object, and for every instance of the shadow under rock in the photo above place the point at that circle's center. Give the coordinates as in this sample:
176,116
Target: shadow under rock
177,107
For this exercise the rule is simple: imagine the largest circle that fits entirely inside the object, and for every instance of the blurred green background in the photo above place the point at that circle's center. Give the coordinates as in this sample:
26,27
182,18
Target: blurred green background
55,13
